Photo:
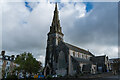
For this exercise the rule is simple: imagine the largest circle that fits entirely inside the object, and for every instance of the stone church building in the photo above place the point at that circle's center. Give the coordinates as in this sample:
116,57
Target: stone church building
63,58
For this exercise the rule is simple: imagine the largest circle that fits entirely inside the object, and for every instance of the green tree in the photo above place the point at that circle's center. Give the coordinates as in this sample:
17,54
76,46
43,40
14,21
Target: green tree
28,63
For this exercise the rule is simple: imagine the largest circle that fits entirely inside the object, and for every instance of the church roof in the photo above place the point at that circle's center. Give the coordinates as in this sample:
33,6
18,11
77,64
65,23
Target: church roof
81,60
77,49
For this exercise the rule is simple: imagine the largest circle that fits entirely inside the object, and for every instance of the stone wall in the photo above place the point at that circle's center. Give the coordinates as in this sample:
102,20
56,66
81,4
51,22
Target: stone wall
61,72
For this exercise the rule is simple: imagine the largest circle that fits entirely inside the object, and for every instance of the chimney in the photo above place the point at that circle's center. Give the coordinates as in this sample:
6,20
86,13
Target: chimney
12,57
17,56
8,57
3,53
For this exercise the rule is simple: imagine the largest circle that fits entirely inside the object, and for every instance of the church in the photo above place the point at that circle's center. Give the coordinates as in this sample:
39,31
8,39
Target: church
63,58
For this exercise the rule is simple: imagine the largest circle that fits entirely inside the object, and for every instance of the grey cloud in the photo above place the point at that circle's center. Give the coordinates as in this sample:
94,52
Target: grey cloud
100,26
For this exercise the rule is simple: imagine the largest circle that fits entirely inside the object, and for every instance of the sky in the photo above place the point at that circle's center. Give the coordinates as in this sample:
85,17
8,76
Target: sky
92,26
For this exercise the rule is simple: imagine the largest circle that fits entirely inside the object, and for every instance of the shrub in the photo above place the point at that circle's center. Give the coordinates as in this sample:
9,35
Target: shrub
49,76
59,76
11,77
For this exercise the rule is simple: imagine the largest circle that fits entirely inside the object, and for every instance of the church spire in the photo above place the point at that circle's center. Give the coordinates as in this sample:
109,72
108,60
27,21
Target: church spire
56,20
56,7
55,26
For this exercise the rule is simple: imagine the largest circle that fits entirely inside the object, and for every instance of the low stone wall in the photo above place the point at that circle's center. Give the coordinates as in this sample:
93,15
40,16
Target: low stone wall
61,72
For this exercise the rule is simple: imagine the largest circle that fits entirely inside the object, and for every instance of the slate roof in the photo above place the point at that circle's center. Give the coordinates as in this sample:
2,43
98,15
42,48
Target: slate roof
6,57
77,49
82,60
102,56
114,60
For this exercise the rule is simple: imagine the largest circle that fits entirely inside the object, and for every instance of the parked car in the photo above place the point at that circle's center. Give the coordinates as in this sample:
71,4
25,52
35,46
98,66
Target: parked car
41,76
54,75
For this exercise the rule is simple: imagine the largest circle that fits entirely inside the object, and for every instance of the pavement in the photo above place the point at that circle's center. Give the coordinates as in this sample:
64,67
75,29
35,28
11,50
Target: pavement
103,75
114,76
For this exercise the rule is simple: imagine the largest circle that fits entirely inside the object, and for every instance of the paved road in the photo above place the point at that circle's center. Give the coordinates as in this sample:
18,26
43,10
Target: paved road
114,76
103,76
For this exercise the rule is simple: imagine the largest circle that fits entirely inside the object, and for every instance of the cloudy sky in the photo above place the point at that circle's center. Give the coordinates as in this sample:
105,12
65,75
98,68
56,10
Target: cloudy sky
92,26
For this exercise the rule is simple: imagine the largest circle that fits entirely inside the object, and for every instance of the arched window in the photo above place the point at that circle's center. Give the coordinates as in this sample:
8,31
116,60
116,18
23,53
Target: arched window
86,56
82,56
59,39
73,53
78,54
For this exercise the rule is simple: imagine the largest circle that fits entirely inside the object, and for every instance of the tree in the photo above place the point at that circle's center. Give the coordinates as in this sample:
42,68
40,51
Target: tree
28,64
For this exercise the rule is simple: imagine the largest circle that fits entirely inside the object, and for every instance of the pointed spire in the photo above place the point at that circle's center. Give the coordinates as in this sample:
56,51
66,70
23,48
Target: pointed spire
55,26
56,7
56,17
